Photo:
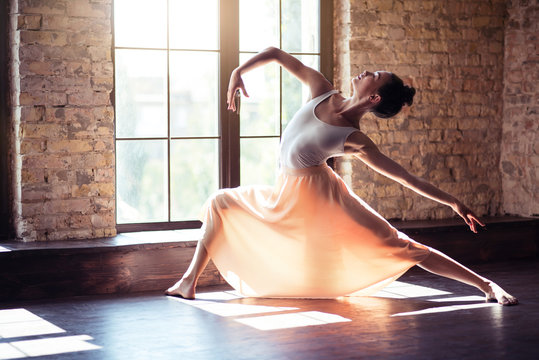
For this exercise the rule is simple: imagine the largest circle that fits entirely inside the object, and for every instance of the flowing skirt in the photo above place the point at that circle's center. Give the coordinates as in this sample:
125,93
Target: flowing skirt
309,236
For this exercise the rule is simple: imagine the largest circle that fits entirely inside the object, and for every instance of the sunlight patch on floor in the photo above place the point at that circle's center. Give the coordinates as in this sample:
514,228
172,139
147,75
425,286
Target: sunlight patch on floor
17,323
219,303
51,346
460,299
21,322
292,320
402,290
216,303
445,309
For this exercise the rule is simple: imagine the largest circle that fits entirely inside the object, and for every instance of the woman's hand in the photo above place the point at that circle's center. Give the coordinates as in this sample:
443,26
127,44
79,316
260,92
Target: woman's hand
234,85
469,217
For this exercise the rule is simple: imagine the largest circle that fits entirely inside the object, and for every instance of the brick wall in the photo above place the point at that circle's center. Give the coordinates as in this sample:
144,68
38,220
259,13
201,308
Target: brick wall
452,53
64,161
520,142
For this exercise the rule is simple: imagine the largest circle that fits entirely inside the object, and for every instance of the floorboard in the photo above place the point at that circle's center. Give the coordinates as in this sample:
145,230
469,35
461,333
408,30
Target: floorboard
420,317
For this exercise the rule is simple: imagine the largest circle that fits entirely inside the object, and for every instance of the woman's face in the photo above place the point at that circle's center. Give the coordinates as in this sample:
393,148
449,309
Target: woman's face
368,83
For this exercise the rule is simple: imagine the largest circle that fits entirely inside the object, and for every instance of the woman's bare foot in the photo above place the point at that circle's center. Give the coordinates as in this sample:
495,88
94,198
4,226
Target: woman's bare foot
183,288
498,294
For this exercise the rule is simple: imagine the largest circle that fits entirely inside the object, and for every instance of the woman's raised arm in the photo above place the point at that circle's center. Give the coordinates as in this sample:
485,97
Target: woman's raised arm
317,83
363,148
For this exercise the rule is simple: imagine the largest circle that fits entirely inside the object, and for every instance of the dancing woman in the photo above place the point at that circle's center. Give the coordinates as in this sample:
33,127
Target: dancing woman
310,235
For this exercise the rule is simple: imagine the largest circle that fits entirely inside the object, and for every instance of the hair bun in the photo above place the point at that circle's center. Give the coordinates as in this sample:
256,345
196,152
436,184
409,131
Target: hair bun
408,95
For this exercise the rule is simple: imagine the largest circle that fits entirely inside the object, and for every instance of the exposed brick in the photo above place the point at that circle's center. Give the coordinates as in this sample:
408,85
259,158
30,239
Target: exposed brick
84,8
519,160
89,98
452,52
70,146
42,6
29,22
66,127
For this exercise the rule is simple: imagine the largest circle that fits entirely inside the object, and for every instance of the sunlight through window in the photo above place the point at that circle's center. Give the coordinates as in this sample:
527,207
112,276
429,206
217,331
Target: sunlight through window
218,306
401,290
216,303
59,345
226,304
17,323
293,320
460,299
445,309
21,322
7,351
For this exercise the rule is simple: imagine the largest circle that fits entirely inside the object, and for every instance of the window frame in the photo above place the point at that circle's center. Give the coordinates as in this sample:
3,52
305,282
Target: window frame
228,122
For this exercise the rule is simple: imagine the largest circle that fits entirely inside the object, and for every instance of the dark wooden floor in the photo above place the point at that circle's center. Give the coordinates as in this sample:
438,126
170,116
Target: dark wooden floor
420,317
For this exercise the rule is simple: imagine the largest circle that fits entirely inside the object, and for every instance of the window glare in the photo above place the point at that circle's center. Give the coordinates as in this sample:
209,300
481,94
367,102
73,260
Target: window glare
259,24
136,24
194,24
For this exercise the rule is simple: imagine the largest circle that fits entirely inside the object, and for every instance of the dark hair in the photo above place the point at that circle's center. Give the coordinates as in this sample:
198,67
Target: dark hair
394,95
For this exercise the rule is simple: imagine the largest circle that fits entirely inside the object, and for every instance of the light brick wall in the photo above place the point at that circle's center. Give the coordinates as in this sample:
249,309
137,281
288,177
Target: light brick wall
452,53
65,141
520,142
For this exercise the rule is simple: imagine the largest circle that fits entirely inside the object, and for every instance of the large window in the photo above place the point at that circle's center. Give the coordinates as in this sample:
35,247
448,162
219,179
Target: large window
175,141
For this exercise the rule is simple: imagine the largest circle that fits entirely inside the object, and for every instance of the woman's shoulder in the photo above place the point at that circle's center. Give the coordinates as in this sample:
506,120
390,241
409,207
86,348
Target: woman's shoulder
323,90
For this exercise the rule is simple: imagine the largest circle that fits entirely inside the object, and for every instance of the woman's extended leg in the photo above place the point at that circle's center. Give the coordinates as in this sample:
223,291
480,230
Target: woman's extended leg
185,287
441,264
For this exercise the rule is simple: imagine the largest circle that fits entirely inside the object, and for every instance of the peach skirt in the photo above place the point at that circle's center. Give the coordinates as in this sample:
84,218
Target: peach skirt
309,236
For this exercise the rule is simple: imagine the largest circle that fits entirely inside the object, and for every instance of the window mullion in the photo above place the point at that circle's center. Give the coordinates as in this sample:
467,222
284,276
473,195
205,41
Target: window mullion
326,38
280,70
229,122
169,176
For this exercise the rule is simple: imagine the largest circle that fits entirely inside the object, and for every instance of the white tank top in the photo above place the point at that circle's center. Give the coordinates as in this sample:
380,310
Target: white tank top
308,141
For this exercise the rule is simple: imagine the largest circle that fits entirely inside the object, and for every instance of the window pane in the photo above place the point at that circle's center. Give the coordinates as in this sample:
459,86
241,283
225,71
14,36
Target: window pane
141,185
141,93
140,23
194,24
301,25
259,24
295,94
194,176
259,113
194,107
259,161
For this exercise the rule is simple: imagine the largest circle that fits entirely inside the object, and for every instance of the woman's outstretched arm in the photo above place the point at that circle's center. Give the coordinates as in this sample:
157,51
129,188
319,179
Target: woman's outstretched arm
317,83
363,148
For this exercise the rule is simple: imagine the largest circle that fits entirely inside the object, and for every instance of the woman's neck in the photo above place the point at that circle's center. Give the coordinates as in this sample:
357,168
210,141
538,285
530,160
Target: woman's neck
351,110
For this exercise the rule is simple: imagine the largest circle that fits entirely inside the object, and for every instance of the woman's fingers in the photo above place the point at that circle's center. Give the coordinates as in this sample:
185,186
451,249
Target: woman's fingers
232,95
472,225
242,87
474,217
236,85
231,100
468,221
469,217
